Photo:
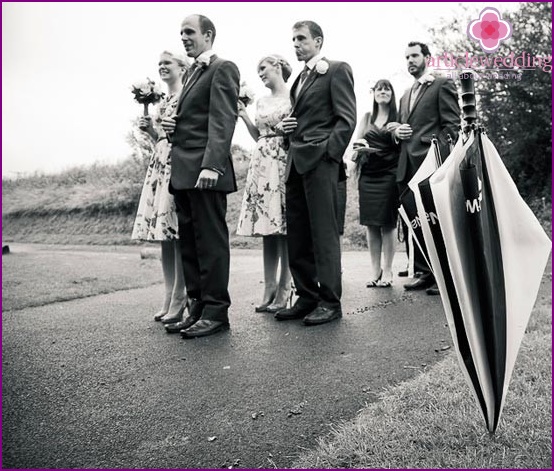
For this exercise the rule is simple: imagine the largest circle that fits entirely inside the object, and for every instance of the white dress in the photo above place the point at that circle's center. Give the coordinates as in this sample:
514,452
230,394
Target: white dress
263,204
156,218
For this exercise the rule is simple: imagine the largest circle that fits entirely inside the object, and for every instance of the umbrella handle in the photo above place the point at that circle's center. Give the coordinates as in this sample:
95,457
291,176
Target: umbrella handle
469,108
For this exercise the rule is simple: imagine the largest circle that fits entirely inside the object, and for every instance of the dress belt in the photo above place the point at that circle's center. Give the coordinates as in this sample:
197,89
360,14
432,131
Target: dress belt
265,136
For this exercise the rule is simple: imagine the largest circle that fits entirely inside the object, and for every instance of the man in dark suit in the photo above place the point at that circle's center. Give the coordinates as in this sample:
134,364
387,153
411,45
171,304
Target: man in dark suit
319,130
201,176
429,107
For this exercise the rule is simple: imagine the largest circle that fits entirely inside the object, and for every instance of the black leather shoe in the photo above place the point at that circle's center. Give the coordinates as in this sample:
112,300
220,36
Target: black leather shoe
322,315
178,326
204,327
433,290
419,284
295,312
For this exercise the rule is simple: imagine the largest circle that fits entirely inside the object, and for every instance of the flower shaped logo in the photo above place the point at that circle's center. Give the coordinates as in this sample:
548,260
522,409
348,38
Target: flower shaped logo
490,29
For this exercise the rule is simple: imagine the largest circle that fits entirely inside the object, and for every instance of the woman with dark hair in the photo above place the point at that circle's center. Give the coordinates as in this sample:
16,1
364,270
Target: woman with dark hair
263,204
376,156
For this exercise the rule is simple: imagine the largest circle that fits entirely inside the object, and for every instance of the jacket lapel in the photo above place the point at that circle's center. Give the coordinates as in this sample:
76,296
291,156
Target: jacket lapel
307,84
193,79
422,91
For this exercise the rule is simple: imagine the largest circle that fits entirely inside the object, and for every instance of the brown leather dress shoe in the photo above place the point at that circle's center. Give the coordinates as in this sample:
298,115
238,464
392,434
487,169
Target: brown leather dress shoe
204,327
295,312
322,315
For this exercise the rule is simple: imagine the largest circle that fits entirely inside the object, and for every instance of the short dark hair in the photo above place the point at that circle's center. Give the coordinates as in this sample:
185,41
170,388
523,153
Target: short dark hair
424,48
313,27
393,113
206,25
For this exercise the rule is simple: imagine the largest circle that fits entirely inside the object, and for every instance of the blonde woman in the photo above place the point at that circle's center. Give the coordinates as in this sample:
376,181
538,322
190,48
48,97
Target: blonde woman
156,219
263,205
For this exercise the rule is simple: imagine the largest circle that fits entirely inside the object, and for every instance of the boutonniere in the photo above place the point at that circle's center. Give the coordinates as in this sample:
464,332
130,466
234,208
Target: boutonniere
427,79
322,67
203,61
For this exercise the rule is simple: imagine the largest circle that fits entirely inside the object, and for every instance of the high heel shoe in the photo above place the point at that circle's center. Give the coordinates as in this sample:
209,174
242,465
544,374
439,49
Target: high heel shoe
158,316
280,303
172,319
263,307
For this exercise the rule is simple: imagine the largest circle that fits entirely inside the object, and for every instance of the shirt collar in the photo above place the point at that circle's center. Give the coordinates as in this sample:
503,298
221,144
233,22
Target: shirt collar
206,54
313,61
420,79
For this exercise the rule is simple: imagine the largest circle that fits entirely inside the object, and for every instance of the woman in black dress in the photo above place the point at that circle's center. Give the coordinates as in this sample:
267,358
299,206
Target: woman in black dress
376,157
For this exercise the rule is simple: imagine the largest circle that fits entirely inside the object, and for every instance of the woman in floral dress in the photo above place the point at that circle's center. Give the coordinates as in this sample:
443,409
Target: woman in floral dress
263,205
156,218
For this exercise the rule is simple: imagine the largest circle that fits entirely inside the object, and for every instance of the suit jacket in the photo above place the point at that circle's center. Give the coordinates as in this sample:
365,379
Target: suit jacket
326,115
205,122
435,111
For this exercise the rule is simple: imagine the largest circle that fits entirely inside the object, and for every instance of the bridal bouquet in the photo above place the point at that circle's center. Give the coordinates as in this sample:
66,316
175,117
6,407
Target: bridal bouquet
147,93
246,95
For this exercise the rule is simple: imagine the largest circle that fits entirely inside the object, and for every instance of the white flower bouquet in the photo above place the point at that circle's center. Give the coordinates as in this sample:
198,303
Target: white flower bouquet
147,93
246,95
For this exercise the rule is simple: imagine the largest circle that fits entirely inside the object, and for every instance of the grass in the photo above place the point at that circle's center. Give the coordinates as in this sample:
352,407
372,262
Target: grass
97,205
41,277
432,421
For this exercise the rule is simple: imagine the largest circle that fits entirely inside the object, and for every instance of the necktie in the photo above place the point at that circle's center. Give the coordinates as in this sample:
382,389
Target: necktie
190,72
414,93
303,76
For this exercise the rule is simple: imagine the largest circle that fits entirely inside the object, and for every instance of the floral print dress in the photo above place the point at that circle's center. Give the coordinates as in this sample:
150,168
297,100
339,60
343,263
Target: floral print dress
263,204
156,218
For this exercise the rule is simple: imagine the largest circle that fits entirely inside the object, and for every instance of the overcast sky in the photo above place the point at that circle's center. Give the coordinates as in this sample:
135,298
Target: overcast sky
67,68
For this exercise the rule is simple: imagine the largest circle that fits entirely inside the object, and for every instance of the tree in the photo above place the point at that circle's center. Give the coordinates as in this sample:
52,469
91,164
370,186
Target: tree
515,110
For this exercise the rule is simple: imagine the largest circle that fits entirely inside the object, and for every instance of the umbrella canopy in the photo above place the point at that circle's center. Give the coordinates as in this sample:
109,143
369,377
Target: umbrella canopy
496,251
434,241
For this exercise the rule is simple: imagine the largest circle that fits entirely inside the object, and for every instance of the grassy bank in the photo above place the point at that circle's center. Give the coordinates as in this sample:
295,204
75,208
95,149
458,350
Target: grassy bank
97,205
433,421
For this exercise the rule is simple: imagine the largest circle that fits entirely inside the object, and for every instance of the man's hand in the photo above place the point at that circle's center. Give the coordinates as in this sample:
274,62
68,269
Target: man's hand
168,124
403,132
207,179
287,125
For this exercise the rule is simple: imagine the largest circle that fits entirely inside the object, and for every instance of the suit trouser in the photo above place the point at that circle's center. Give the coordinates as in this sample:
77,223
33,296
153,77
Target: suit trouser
204,241
313,234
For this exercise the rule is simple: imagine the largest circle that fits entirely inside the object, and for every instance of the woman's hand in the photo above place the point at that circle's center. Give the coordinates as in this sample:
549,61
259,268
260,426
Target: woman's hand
359,144
145,123
242,110
168,124
287,125
403,132
391,127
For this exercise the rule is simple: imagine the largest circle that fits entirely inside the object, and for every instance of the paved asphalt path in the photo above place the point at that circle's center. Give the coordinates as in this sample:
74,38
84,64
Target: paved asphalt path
95,383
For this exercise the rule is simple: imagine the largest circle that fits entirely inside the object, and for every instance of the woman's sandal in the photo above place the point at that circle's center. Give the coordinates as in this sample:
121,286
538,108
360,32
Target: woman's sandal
374,283
384,284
